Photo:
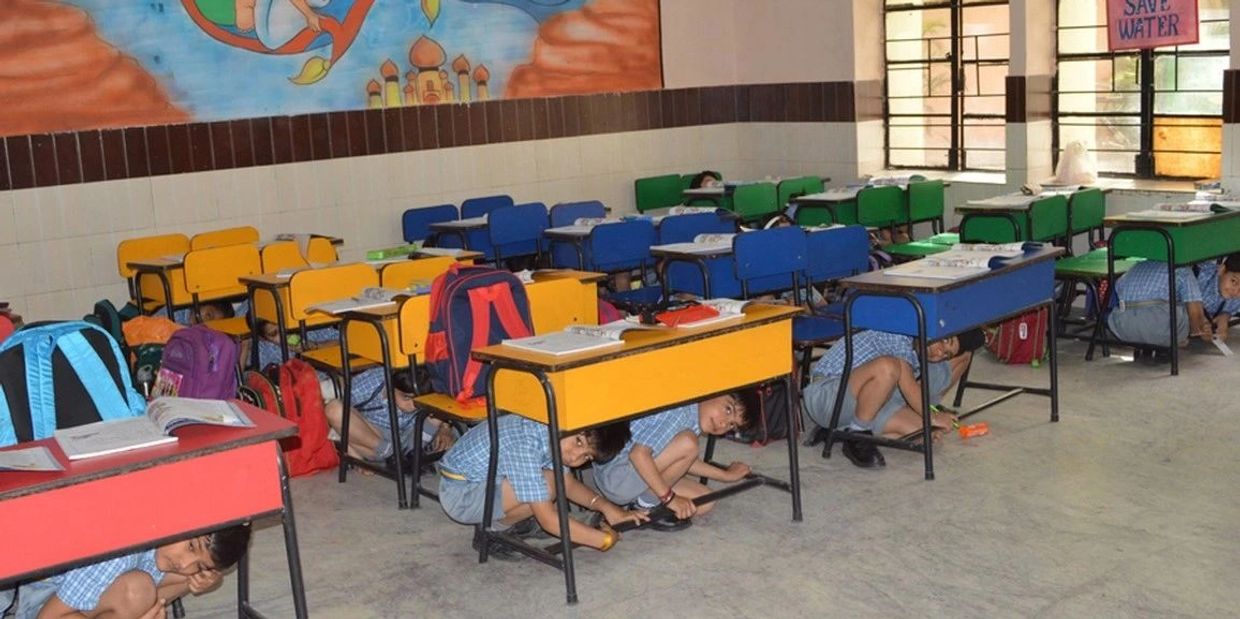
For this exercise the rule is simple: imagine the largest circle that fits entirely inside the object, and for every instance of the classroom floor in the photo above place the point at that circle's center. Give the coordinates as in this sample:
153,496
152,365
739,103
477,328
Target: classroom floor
1127,507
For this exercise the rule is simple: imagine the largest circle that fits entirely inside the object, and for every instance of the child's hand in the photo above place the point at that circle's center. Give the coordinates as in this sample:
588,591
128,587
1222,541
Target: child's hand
615,515
736,471
443,438
203,581
156,611
1221,325
682,507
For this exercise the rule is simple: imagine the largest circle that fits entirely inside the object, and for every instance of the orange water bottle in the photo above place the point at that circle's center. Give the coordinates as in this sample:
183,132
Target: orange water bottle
975,429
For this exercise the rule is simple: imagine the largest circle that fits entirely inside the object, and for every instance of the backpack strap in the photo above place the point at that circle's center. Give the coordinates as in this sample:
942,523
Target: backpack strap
40,390
481,300
8,436
95,377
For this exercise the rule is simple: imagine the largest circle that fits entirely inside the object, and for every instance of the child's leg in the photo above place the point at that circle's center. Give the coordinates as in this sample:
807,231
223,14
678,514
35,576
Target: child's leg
873,385
130,595
363,438
514,510
1148,324
897,418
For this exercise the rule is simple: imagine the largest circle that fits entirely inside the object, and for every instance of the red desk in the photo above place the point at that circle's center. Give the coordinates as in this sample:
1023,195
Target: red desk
113,505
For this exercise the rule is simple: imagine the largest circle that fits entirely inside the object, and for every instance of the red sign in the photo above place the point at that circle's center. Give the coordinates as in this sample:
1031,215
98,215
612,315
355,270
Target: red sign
1142,24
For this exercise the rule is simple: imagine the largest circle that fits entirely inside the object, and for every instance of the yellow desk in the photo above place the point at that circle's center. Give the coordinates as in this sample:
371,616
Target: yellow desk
170,272
652,371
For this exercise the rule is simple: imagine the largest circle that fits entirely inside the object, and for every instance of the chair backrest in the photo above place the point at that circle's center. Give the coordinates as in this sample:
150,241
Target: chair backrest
620,246
755,201
556,303
777,255
220,238
837,252
413,325
1089,207
401,275
925,201
416,223
214,273
281,255
1050,218
682,228
313,286
658,191
881,206
477,207
517,230
147,247
792,187
565,213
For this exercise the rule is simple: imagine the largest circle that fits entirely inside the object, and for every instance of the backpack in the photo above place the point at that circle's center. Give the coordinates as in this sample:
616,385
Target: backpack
772,421
59,375
298,396
471,307
1021,339
198,363
106,316
258,390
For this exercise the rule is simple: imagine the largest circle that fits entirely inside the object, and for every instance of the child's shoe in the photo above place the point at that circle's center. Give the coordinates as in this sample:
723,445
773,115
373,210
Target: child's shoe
863,454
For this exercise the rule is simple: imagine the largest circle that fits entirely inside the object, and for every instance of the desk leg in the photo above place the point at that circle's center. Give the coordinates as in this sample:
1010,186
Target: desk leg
281,328
163,281
561,498
290,544
1173,306
838,406
794,468
1052,346
927,429
488,504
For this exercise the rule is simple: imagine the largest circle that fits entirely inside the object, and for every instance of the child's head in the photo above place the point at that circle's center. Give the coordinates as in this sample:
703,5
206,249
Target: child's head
705,178
216,310
217,550
600,444
406,390
729,412
1229,277
942,350
268,330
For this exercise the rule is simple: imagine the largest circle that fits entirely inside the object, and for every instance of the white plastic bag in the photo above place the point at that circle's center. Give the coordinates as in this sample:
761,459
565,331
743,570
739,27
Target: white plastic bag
1076,166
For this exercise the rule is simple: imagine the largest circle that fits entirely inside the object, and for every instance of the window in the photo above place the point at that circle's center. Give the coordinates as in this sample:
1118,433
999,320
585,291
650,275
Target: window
946,64
1151,113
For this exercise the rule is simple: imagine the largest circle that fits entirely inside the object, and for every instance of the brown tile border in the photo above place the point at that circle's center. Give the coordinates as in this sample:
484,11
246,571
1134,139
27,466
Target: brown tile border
135,152
1027,98
1231,96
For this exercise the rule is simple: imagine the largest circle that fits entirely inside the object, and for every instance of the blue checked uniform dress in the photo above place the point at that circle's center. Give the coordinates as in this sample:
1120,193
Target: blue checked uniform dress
867,346
524,453
81,588
657,430
370,399
1212,301
1147,281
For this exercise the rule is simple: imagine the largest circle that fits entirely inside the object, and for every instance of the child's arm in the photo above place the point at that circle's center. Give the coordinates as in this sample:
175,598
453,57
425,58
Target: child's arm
910,388
1221,324
578,532
642,458
1198,324
312,18
735,471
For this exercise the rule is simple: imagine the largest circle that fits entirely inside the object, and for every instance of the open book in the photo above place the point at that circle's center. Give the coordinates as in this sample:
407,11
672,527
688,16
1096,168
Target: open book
366,299
162,417
690,210
589,221
1184,207
705,312
1157,214
953,264
702,244
577,338
451,252
1000,250
29,459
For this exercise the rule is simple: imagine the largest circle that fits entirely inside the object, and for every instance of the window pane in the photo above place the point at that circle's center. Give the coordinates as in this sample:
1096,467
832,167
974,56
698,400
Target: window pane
1188,147
1188,103
994,105
1189,72
1082,40
1085,76
1082,13
1114,140
1106,102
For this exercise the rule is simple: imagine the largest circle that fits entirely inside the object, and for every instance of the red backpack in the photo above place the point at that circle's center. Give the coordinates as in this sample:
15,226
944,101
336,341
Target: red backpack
471,307
295,395
1021,339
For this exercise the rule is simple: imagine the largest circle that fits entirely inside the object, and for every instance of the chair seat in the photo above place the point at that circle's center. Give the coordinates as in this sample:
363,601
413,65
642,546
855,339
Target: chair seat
329,358
236,327
815,329
446,406
1092,265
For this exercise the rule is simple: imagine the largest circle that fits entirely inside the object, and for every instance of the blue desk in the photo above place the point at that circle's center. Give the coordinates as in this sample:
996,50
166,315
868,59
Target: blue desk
472,234
932,309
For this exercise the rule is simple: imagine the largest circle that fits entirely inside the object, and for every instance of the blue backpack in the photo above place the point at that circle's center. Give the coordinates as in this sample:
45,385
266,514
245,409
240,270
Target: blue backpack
59,375
471,307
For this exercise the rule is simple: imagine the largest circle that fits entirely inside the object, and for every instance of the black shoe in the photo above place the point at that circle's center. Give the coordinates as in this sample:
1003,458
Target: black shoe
498,552
525,528
863,454
662,519
819,435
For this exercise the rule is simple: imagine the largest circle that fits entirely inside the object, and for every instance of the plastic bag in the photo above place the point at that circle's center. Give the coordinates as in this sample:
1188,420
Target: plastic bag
1076,166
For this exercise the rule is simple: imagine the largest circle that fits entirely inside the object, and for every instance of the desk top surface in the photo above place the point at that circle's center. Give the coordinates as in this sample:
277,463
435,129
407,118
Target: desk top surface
706,250
635,342
163,263
192,441
388,311
460,224
266,280
879,281
1116,220
451,252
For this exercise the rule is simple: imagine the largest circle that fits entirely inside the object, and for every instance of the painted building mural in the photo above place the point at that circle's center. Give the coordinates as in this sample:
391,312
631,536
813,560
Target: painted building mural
82,64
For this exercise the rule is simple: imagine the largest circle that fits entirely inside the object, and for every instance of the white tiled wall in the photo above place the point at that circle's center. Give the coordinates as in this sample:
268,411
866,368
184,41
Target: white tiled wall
58,244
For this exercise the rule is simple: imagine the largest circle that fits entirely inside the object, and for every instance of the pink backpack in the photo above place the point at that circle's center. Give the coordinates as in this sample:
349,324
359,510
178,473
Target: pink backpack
1021,339
198,363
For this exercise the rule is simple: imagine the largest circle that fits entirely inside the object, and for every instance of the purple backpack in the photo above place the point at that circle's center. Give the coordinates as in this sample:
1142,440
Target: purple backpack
198,363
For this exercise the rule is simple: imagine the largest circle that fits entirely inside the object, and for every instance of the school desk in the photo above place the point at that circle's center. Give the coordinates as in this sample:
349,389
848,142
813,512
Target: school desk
472,232
372,334
170,271
103,507
647,373
717,275
841,203
932,309
462,255
574,235
1042,217
1178,243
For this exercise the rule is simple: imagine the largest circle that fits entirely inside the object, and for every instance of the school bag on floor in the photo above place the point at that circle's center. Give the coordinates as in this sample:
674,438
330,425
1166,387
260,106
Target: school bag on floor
59,375
471,307
299,398
198,362
772,418
1021,339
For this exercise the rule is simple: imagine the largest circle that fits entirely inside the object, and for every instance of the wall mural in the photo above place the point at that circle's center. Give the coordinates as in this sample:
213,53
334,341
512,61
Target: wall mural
83,64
